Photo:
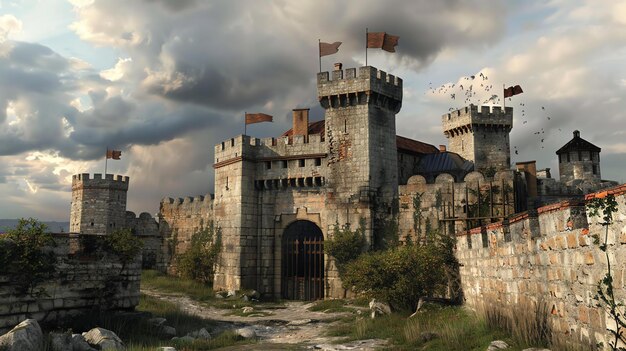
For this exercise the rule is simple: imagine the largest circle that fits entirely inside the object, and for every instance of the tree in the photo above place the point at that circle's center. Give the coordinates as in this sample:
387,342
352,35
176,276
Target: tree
26,255
123,244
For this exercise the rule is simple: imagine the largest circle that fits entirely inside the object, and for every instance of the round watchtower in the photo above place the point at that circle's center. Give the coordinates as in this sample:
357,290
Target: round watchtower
481,136
98,204
579,160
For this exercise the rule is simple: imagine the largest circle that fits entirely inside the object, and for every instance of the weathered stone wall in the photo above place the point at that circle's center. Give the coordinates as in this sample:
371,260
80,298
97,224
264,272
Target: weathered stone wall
548,257
83,281
579,165
154,254
446,198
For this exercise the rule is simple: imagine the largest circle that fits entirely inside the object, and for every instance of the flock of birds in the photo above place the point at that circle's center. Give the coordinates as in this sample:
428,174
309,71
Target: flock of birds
479,90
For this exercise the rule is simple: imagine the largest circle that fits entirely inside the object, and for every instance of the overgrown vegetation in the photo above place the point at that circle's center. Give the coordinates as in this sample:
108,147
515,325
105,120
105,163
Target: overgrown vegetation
124,245
155,280
198,262
27,257
346,244
605,205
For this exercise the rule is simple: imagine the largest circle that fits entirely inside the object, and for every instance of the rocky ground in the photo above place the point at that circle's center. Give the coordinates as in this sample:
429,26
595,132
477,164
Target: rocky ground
288,326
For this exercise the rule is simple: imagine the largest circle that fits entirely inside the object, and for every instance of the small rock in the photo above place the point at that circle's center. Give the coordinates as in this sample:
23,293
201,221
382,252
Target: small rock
104,339
219,296
247,309
166,348
80,344
231,293
167,331
255,295
497,345
26,336
245,298
200,334
535,349
246,332
299,322
60,341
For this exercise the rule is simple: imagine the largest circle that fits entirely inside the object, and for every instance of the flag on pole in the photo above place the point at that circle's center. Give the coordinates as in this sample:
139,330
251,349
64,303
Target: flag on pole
114,154
513,90
382,40
257,118
329,49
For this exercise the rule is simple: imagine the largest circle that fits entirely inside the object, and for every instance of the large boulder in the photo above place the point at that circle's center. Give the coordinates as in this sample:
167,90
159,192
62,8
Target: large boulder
200,334
104,339
26,336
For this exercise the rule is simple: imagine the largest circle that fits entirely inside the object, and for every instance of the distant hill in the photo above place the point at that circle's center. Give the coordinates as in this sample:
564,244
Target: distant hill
55,227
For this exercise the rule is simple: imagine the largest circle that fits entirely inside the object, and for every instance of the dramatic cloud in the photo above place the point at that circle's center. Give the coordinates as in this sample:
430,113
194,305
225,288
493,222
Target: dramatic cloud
188,70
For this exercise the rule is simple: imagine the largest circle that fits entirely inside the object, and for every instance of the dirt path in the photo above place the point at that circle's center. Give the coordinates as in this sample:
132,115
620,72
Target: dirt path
293,324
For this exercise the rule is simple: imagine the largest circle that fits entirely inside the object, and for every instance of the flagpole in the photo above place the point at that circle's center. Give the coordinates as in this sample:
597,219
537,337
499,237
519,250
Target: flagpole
319,51
503,98
245,125
106,159
365,46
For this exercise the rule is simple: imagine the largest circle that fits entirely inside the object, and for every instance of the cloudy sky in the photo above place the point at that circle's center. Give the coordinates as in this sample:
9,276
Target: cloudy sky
165,80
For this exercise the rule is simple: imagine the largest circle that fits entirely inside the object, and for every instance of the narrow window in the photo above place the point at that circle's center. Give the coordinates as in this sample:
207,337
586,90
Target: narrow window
345,125
301,162
222,145
284,163
318,161
232,142
595,169
268,165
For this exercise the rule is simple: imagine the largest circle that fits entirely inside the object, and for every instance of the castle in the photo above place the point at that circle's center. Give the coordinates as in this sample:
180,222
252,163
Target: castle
277,199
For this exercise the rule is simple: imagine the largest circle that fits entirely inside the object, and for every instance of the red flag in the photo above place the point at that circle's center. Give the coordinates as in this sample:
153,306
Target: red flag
329,49
513,90
114,154
257,118
382,40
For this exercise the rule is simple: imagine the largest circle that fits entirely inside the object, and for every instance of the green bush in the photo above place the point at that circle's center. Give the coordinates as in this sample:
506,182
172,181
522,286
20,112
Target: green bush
346,244
400,276
26,256
198,262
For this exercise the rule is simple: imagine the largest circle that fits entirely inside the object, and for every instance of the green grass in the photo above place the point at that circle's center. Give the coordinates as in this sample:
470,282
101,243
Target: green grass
138,335
155,280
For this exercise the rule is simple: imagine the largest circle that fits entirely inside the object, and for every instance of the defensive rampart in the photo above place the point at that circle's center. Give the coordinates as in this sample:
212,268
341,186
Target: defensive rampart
84,280
547,257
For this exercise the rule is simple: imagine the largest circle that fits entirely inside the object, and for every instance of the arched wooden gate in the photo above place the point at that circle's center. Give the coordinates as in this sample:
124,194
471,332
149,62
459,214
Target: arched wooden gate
303,261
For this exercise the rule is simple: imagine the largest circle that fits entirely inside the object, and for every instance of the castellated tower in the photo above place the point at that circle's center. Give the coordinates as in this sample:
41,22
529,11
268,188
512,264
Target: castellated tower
481,136
98,205
361,107
579,160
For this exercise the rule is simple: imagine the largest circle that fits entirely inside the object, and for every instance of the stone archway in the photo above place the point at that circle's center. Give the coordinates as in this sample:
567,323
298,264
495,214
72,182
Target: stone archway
302,261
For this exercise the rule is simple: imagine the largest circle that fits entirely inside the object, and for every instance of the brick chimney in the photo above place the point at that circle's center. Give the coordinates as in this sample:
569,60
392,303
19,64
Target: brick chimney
338,66
301,122
442,148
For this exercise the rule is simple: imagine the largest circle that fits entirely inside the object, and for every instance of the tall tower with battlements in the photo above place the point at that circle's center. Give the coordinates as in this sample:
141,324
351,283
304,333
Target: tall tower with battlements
360,111
481,136
98,204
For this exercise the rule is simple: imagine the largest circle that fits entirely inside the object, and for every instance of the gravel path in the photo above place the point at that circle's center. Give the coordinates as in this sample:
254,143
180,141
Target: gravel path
291,325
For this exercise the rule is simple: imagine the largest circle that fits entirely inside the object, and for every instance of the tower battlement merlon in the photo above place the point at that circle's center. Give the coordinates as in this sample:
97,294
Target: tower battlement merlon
356,87
110,181
471,115
239,147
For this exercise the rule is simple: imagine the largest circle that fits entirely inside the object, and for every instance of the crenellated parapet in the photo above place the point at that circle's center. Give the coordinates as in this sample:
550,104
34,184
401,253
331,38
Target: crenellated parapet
465,119
110,181
350,87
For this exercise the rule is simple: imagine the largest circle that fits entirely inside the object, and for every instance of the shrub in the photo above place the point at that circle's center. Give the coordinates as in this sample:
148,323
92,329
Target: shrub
26,256
198,262
400,276
346,244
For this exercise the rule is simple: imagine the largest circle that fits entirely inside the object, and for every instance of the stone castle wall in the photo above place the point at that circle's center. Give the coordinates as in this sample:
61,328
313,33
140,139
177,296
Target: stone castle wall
447,198
83,281
154,254
546,257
